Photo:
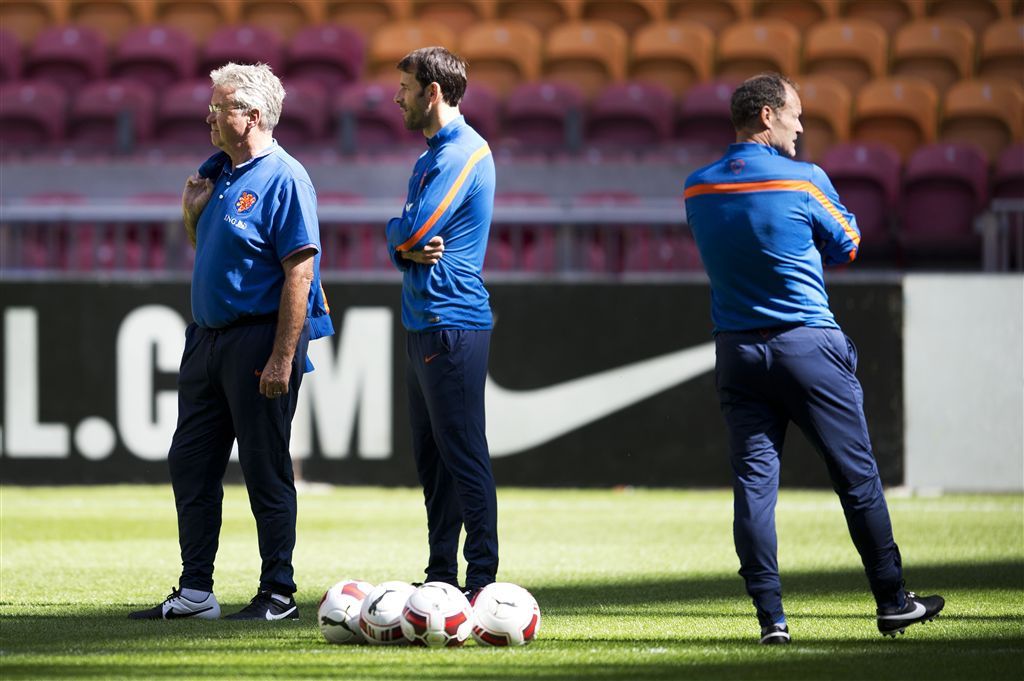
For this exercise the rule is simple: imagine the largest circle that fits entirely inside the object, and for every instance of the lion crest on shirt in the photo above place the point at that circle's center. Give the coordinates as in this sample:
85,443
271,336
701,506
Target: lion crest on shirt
245,202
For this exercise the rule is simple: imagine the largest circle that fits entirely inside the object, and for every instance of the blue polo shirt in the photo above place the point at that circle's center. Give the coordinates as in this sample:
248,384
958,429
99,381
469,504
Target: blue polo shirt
763,224
451,193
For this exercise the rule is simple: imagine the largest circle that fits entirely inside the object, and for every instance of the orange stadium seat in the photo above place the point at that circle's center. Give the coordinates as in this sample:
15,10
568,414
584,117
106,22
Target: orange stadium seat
69,56
629,15
502,53
976,13
589,54
675,54
1001,52
31,115
242,45
802,14
827,105
715,14
543,115
10,56
704,118
393,41
370,120
986,113
889,14
181,116
26,18
750,47
112,18
331,55
155,55
199,18
631,116
305,122
900,112
111,115
458,15
542,14
366,16
939,50
286,17
851,50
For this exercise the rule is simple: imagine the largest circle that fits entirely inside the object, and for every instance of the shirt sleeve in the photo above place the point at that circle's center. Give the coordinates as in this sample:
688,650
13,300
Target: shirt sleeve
835,229
295,226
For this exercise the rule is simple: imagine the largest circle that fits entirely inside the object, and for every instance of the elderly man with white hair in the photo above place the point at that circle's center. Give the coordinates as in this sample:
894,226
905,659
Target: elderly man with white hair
250,212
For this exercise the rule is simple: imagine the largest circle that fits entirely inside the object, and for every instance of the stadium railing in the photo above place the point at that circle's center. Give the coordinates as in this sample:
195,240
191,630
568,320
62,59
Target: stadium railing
1002,233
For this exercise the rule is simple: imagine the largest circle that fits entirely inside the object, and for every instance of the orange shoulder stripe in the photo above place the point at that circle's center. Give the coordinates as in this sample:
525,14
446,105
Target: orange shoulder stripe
448,198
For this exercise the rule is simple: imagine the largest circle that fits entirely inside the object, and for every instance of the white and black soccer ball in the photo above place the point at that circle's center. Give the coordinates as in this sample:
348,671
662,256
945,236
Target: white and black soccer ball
505,615
338,613
437,615
381,613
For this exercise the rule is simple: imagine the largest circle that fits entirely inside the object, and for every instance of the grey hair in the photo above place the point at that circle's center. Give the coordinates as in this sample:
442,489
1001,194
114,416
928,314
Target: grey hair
255,87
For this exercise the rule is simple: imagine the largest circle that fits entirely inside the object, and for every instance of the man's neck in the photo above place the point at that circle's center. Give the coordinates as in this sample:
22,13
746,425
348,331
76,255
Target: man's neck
763,138
445,115
252,146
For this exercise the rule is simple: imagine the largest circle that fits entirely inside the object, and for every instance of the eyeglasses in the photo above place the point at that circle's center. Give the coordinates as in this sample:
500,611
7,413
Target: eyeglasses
218,108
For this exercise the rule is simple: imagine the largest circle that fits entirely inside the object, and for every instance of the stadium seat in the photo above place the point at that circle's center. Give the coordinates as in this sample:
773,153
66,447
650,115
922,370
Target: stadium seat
10,56
181,116
986,113
889,14
866,176
1000,52
1008,179
198,18
112,115
977,14
521,247
502,53
675,54
111,18
588,54
945,186
482,108
393,41
541,14
457,15
801,14
631,115
68,56
715,14
369,119
704,119
155,55
305,116
660,248
940,51
330,55
284,17
851,50
629,15
544,115
27,18
365,16
827,104
31,115
242,45
900,112
751,47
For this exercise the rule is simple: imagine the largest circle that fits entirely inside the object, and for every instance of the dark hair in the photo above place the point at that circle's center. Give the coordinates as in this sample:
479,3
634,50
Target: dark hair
766,89
437,65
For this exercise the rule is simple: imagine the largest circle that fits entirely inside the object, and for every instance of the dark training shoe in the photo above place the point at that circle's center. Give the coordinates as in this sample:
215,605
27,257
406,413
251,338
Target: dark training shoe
177,606
264,606
774,635
892,621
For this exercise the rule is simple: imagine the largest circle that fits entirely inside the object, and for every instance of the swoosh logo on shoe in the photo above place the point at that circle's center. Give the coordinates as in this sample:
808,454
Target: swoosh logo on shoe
520,419
919,610
271,616
174,614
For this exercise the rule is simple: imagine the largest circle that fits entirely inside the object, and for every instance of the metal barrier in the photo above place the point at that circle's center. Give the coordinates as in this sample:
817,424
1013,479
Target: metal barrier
1002,233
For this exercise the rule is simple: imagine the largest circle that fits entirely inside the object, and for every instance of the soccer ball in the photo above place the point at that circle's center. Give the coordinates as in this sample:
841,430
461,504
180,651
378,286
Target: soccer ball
338,612
505,615
381,613
437,615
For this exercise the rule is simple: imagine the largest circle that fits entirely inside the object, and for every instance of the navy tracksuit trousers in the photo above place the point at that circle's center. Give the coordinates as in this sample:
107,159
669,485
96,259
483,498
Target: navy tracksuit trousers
218,402
446,373
767,378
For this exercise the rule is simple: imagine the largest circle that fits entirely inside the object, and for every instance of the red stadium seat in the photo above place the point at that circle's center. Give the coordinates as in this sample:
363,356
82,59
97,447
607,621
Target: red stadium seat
181,116
69,56
940,51
242,45
900,112
986,113
867,178
587,54
111,115
482,109
715,14
155,55
1000,52
632,115
1008,179
10,56
629,15
543,115
851,50
827,105
978,14
502,54
751,47
31,115
331,55
661,248
675,54
370,119
521,247
704,119
801,14
305,116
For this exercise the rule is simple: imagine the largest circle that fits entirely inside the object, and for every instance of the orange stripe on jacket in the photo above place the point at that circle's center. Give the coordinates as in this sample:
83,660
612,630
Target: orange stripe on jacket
448,198
779,186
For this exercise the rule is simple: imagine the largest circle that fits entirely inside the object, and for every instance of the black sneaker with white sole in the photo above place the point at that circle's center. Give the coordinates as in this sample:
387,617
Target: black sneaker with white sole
264,606
892,621
177,606
775,634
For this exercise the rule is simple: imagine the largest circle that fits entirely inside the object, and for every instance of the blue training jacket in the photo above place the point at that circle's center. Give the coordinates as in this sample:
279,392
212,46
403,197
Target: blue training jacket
451,193
763,224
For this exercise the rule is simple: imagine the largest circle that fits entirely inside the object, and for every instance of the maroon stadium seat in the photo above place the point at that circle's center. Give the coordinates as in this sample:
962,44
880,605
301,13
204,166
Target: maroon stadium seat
31,114
242,45
305,117
1008,180
10,56
155,55
542,115
703,119
521,247
482,109
181,116
69,56
369,119
330,55
111,115
631,115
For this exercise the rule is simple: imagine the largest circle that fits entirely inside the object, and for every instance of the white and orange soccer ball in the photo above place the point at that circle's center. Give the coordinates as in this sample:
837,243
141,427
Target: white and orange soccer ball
505,615
437,615
338,613
381,613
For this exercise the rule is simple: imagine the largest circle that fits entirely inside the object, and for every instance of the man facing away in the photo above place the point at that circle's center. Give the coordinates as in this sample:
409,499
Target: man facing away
256,301
763,224
438,244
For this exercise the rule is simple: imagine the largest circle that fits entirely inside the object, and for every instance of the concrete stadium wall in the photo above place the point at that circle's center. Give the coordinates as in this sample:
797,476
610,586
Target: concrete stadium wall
964,382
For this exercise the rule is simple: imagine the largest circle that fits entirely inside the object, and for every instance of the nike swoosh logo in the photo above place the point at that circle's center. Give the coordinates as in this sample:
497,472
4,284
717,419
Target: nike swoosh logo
919,610
175,615
271,616
520,419
430,358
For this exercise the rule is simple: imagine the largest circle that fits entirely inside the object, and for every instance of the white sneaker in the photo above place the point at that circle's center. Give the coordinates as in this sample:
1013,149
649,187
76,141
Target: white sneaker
177,606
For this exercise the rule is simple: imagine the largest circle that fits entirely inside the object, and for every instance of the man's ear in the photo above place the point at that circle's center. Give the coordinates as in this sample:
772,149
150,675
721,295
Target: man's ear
254,116
767,116
435,93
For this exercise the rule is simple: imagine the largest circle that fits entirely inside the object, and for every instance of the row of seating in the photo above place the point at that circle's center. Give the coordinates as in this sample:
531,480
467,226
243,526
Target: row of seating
287,17
112,115
503,54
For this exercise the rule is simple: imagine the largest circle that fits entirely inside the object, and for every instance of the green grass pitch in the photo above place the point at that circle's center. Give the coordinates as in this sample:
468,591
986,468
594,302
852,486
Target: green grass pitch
632,585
